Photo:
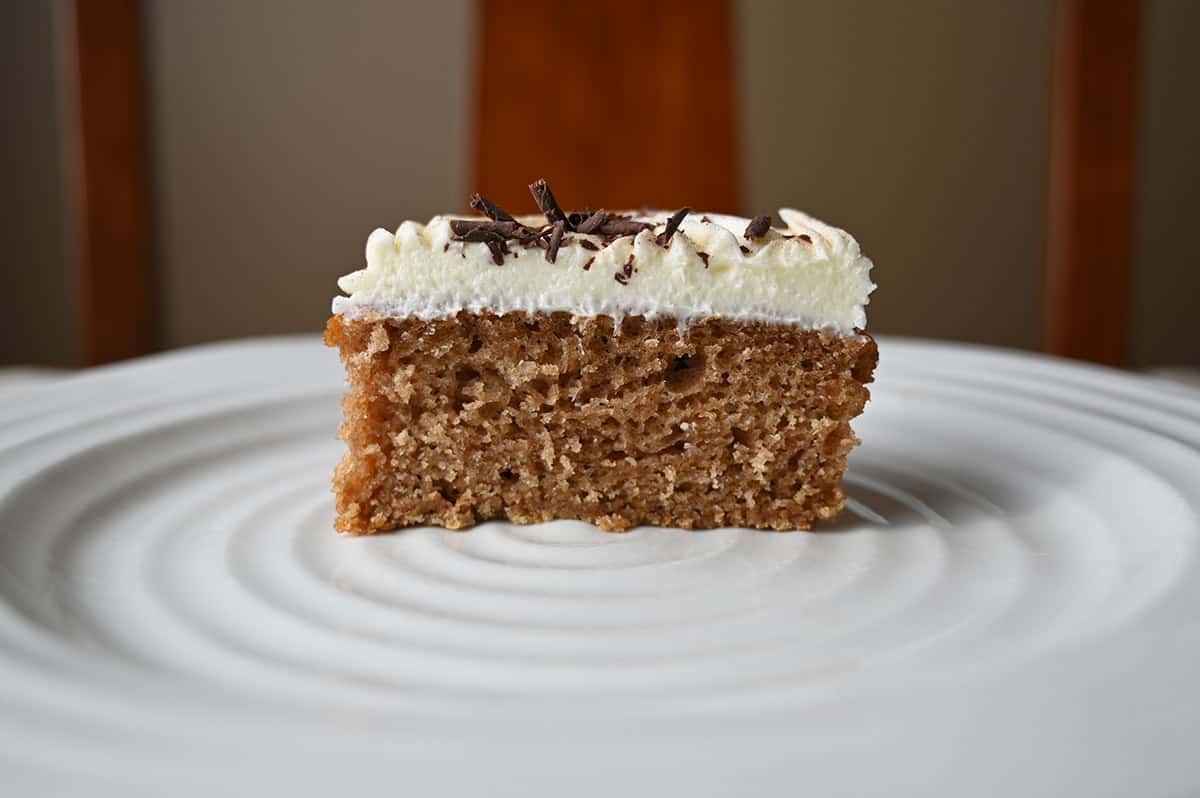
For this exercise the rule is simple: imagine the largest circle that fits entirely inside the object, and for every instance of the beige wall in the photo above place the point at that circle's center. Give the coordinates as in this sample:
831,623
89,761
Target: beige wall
285,131
921,128
36,321
1166,313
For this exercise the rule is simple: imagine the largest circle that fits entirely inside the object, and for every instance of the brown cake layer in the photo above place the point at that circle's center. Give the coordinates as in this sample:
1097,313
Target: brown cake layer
536,417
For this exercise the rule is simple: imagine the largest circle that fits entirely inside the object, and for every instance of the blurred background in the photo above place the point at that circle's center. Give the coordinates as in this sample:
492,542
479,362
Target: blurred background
1022,173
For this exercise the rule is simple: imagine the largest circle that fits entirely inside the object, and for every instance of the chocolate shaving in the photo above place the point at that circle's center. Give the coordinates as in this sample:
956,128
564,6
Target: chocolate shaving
501,228
626,272
498,249
547,204
574,218
490,209
664,238
475,230
617,226
589,224
757,228
483,233
556,236
485,237
611,225
464,227
704,257
460,227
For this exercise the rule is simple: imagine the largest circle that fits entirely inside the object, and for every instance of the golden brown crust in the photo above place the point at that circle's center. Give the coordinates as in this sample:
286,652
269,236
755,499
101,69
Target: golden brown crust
533,417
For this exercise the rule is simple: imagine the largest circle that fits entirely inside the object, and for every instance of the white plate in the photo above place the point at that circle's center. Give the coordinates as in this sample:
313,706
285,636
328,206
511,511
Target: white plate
1011,605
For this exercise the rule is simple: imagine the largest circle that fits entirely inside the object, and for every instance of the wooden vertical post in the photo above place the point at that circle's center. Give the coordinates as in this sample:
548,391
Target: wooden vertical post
1092,171
115,292
617,103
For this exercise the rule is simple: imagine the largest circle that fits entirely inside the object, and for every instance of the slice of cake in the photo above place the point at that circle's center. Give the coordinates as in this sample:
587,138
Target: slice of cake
676,369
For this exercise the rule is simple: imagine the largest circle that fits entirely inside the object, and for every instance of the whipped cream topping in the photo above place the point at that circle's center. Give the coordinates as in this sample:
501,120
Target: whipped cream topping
808,274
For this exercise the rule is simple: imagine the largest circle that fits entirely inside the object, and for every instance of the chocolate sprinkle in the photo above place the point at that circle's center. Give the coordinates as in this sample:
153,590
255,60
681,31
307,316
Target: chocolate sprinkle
664,238
446,247
745,250
546,202
757,228
556,236
804,237
590,245
704,257
588,263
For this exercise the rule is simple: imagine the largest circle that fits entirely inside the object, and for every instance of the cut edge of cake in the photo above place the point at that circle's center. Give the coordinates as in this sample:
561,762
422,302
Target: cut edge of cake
532,418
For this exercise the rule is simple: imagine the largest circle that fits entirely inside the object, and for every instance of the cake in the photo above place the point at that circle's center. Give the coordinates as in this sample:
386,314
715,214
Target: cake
681,369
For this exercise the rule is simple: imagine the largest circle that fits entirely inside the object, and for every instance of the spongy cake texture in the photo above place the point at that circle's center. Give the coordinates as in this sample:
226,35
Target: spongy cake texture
534,417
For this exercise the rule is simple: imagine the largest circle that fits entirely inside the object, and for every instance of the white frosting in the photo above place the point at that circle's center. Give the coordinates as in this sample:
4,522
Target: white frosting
820,284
